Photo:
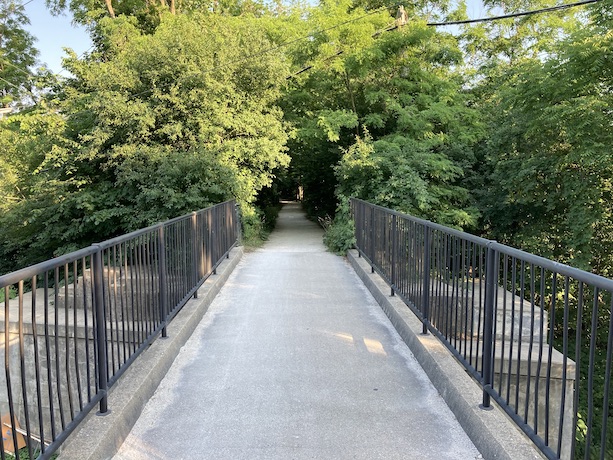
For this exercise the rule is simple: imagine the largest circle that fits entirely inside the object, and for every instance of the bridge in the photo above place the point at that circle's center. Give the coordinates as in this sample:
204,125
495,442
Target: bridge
294,359
289,351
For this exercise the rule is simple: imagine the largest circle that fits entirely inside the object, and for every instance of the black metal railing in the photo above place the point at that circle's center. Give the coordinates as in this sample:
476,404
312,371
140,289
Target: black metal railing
537,335
73,325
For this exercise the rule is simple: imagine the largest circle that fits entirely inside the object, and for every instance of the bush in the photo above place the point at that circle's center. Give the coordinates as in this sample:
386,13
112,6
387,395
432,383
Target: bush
339,234
256,224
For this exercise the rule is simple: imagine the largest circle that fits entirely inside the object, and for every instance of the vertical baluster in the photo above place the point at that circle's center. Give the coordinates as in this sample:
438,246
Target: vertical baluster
100,329
162,278
488,357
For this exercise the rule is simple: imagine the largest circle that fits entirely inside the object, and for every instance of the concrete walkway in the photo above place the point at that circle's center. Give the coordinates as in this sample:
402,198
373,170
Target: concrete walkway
295,360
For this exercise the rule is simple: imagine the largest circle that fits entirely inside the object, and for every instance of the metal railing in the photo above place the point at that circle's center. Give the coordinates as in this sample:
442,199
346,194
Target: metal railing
74,324
535,334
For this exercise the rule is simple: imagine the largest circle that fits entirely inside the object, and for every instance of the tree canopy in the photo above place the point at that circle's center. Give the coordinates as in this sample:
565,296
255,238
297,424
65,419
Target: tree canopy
149,127
17,54
500,127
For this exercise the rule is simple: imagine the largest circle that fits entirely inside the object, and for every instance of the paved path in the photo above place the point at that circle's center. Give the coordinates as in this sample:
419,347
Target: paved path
294,360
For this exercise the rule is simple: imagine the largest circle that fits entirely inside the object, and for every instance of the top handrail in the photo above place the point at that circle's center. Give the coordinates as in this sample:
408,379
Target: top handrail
556,267
27,272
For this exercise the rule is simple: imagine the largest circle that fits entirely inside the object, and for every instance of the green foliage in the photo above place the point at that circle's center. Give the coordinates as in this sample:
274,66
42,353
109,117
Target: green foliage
545,175
319,103
397,88
17,54
418,129
255,227
339,234
152,127
12,294
549,182
506,131
169,89
23,454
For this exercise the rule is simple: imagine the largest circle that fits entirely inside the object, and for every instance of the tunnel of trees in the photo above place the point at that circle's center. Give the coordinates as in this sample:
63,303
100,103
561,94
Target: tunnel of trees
501,128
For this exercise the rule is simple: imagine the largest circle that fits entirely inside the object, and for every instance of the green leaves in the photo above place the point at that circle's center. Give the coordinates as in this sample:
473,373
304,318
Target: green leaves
548,189
17,55
331,122
150,127
187,87
399,89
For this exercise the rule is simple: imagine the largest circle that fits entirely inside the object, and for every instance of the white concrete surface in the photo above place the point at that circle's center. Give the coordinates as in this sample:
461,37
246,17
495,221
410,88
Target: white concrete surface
295,360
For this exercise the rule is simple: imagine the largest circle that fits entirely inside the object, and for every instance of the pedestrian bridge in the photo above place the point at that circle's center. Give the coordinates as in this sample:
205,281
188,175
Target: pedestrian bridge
295,359
289,351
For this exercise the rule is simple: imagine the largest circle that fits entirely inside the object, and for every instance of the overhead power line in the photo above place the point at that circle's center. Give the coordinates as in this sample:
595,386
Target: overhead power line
310,35
466,21
513,15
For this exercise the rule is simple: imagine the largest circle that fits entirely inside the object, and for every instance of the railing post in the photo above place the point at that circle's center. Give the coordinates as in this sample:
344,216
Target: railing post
100,315
237,223
352,216
163,279
214,239
394,249
491,282
196,267
372,239
425,308
229,213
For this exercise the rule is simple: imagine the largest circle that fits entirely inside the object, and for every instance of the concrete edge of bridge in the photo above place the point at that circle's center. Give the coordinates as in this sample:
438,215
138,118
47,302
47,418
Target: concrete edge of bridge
100,437
491,431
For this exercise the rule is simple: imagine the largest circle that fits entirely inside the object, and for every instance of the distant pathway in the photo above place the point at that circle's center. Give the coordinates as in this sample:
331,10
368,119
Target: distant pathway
295,360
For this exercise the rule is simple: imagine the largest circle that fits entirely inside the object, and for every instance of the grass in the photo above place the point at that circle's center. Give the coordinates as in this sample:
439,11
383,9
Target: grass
24,455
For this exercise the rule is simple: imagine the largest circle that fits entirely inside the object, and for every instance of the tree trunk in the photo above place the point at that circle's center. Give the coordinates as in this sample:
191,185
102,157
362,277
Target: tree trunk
109,7
172,7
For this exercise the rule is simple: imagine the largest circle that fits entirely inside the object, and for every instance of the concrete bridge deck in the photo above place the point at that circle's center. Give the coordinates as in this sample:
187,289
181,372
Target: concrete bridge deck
294,359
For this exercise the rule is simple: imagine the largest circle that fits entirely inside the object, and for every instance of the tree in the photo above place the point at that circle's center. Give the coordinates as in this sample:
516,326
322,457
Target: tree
149,13
318,102
161,125
395,93
549,183
33,150
17,54
420,130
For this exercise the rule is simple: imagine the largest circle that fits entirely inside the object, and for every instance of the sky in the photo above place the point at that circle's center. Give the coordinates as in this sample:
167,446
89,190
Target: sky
53,33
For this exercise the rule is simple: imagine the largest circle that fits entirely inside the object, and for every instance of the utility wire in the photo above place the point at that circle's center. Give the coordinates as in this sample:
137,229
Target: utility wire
349,21
514,15
25,72
377,10
259,53
78,57
285,44
10,83
467,21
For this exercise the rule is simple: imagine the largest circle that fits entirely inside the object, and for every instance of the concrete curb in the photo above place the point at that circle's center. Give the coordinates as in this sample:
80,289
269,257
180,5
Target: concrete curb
492,432
100,437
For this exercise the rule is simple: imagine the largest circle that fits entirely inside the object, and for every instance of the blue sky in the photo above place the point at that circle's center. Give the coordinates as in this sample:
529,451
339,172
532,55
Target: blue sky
53,33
